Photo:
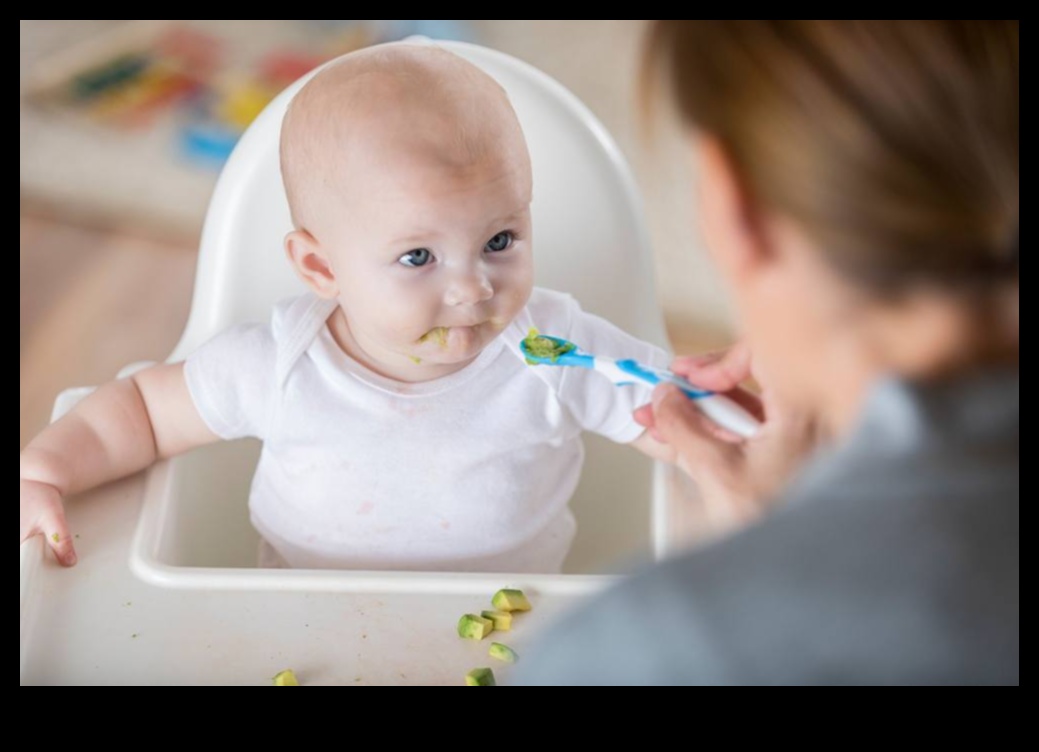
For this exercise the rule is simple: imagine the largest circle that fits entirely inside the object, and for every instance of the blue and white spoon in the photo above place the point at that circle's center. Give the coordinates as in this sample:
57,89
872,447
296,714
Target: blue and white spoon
719,408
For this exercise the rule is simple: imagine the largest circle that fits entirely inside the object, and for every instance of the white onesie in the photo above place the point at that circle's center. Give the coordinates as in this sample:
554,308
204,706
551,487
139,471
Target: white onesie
470,472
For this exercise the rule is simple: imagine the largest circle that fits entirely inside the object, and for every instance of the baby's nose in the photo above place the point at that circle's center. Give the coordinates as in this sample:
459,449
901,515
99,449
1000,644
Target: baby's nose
469,288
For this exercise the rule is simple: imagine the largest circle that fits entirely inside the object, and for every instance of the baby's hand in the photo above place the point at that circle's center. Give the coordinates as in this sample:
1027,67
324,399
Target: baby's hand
42,513
122,427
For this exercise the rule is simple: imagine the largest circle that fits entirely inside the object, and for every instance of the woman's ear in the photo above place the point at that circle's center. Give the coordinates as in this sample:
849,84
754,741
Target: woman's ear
733,223
311,263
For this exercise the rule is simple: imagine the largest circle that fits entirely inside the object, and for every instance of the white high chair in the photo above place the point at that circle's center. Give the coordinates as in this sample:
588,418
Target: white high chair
192,529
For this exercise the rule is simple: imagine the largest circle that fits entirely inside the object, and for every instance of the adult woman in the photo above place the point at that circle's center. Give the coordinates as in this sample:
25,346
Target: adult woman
861,198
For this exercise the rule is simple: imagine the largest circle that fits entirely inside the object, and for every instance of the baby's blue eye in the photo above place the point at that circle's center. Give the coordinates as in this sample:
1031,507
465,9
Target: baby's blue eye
417,257
499,242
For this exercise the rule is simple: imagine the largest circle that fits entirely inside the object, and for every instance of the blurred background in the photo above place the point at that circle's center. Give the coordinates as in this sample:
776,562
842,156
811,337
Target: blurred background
124,126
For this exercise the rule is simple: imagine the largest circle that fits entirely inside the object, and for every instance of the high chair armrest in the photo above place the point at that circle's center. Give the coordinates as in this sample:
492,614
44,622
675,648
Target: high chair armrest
680,520
68,398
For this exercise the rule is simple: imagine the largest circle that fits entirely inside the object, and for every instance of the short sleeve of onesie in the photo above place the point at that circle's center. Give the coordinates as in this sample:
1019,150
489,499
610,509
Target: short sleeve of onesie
232,381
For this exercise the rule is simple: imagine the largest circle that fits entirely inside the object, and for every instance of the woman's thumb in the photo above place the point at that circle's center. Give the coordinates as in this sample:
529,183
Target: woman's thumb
683,426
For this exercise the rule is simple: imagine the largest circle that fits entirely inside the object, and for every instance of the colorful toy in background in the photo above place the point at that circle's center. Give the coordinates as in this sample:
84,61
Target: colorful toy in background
218,117
131,83
233,102
144,71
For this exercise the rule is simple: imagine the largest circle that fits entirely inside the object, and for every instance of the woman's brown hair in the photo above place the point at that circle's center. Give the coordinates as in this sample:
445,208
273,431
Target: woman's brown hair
893,144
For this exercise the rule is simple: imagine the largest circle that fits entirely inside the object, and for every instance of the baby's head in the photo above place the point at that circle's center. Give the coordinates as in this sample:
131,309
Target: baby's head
409,183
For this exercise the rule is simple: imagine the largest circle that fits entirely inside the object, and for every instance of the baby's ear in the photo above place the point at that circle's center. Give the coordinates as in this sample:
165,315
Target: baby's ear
311,263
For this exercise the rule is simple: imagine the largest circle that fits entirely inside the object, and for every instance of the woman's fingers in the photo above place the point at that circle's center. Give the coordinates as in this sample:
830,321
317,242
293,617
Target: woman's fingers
748,400
644,417
737,477
679,423
719,371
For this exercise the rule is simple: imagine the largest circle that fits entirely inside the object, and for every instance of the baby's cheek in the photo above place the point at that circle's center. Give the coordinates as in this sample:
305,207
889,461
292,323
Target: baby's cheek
407,320
403,330
399,307
515,296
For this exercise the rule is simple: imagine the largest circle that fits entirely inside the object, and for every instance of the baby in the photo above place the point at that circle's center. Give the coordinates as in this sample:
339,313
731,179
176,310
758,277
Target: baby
401,427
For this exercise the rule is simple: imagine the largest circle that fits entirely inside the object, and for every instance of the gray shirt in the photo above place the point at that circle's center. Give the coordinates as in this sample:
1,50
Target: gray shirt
894,559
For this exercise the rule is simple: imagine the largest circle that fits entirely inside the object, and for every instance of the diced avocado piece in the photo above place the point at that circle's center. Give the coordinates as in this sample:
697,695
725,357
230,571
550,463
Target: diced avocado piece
473,627
543,347
502,652
286,678
510,600
480,677
502,619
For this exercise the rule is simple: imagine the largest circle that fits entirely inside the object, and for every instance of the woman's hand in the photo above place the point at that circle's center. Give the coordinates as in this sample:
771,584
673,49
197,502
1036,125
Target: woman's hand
738,477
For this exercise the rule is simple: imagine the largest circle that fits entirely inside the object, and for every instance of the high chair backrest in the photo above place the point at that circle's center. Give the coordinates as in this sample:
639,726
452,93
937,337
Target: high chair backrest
590,237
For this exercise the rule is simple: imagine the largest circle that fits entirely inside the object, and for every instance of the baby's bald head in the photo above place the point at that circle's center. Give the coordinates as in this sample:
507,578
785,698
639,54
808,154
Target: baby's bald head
388,109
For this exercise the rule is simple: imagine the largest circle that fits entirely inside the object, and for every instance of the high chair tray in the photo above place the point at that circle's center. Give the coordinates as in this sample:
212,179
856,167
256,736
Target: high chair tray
173,622
97,623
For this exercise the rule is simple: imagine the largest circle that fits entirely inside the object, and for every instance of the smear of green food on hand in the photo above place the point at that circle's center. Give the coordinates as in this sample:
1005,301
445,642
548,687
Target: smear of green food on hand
415,359
537,346
55,538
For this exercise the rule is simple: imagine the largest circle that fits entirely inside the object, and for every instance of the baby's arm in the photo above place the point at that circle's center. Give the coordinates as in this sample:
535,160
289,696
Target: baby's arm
121,428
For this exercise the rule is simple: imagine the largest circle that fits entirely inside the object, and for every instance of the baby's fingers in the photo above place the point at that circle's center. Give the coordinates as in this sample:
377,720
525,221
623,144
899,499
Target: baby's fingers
41,512
56,530
59,539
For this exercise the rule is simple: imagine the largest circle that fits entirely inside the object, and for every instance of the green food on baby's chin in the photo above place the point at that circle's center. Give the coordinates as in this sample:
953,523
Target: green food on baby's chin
480,677
415,359
537,346
438,335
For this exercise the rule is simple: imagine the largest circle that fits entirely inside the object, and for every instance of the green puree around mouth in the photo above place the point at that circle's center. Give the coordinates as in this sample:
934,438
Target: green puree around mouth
439,335
537,346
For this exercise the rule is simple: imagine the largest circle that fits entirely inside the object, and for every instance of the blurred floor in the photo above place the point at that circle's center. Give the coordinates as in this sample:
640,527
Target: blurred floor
92,301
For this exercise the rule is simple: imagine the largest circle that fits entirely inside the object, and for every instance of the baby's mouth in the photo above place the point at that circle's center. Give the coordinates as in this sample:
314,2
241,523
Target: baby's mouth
437,334
442,335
